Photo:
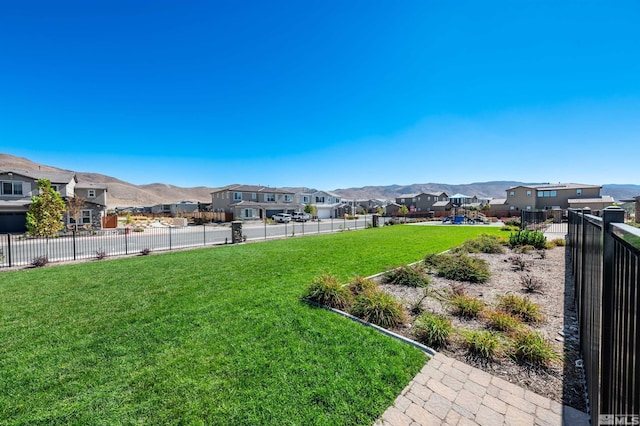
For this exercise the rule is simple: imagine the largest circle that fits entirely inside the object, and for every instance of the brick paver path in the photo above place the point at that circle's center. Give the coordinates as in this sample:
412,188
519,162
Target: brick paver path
450,392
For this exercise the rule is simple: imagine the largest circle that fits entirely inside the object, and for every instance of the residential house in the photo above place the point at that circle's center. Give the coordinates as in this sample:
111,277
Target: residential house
424,201
594,204
549,196
18,186
328,204
252,201
175,208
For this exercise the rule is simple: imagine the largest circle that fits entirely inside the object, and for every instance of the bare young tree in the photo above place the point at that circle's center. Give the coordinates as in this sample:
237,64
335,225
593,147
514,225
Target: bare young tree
75,206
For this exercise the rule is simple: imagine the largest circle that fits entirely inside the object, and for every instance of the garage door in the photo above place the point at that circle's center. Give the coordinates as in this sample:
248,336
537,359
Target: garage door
14,222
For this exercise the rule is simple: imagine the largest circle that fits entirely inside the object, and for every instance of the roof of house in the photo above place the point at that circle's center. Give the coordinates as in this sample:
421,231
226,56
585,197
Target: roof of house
556,186
460,196
497,201
90,185
252,188
441,203
53,177
603,199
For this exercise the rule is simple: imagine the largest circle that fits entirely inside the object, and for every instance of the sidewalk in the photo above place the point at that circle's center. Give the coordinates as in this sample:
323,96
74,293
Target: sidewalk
450,392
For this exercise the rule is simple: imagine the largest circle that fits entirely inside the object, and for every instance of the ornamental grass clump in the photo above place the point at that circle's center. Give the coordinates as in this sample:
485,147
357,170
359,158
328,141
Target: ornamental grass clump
484,243
528,238
483,344
407,275
502,321
520,307
531,347
327,290
466,306
461,267
432,330
360,284
380,308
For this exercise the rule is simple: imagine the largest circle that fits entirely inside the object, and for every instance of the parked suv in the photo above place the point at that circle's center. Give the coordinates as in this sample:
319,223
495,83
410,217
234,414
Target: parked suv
300,217
282,217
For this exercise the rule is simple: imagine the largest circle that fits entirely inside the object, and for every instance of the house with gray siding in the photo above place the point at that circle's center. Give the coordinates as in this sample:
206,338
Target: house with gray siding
247,202
18,186
422,202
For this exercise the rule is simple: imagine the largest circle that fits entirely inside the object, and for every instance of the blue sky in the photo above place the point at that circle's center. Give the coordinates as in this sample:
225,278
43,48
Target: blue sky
324,94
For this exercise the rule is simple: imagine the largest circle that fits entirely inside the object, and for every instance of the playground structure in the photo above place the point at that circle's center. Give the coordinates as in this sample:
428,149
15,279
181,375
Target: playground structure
461,215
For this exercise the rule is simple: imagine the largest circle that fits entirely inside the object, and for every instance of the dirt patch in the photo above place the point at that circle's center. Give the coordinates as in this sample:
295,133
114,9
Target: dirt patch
563,381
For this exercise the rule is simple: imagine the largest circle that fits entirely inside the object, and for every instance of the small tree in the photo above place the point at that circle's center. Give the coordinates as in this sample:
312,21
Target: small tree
380,211
74,208
44,218
311,209
403,212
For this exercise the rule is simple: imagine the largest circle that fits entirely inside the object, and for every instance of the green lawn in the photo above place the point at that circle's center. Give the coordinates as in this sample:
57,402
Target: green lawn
209,336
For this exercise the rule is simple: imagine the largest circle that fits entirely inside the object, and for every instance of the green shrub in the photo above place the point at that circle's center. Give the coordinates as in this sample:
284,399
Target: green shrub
521,307
524,249
431,261
407,275
484,243
360,284
482,343
529,346
509,228
327,290
380,308
502,321
466,306
432,330
39,261
513,222
461,267
558,242
528,238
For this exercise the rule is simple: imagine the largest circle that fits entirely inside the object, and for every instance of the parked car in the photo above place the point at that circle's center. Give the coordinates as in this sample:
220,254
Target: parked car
300,217
282,217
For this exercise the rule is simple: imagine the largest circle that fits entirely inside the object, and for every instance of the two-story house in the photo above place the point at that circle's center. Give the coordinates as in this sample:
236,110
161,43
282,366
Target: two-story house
550,196
327,203
18,186
252,201
423,202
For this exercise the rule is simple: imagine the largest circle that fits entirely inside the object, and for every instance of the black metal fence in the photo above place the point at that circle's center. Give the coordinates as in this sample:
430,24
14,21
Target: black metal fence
544,221
22,250
605,264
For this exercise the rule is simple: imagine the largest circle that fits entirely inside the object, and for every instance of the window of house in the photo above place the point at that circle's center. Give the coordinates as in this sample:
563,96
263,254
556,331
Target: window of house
12,188
402,200
86,217
337,200
287,197
512,194
547,194
528,193
254,196
413,200
305,199
512,207
319,199
429,198
271,197
91,193
237,196
248,212
578,192
528,208
55,188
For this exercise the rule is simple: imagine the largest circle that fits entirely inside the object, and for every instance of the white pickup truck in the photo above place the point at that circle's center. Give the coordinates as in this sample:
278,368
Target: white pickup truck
300,217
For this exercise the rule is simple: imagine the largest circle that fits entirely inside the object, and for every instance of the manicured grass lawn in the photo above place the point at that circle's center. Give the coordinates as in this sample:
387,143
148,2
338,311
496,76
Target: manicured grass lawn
210,336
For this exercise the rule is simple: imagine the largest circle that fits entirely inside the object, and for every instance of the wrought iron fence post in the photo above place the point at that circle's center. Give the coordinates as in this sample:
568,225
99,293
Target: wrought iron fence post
9,248
609,215
126,244
73,233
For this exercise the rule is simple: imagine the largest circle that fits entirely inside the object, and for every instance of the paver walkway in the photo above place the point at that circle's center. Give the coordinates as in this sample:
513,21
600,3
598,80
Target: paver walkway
450,392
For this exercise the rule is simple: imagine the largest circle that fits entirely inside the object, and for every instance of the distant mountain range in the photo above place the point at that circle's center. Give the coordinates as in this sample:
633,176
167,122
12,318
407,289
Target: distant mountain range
123,194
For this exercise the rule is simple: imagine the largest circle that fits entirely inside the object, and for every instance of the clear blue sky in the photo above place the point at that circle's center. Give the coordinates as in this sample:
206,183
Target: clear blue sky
325,94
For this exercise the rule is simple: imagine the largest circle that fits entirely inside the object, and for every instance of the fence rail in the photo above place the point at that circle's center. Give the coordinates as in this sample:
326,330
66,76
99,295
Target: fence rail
605,256
22,250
